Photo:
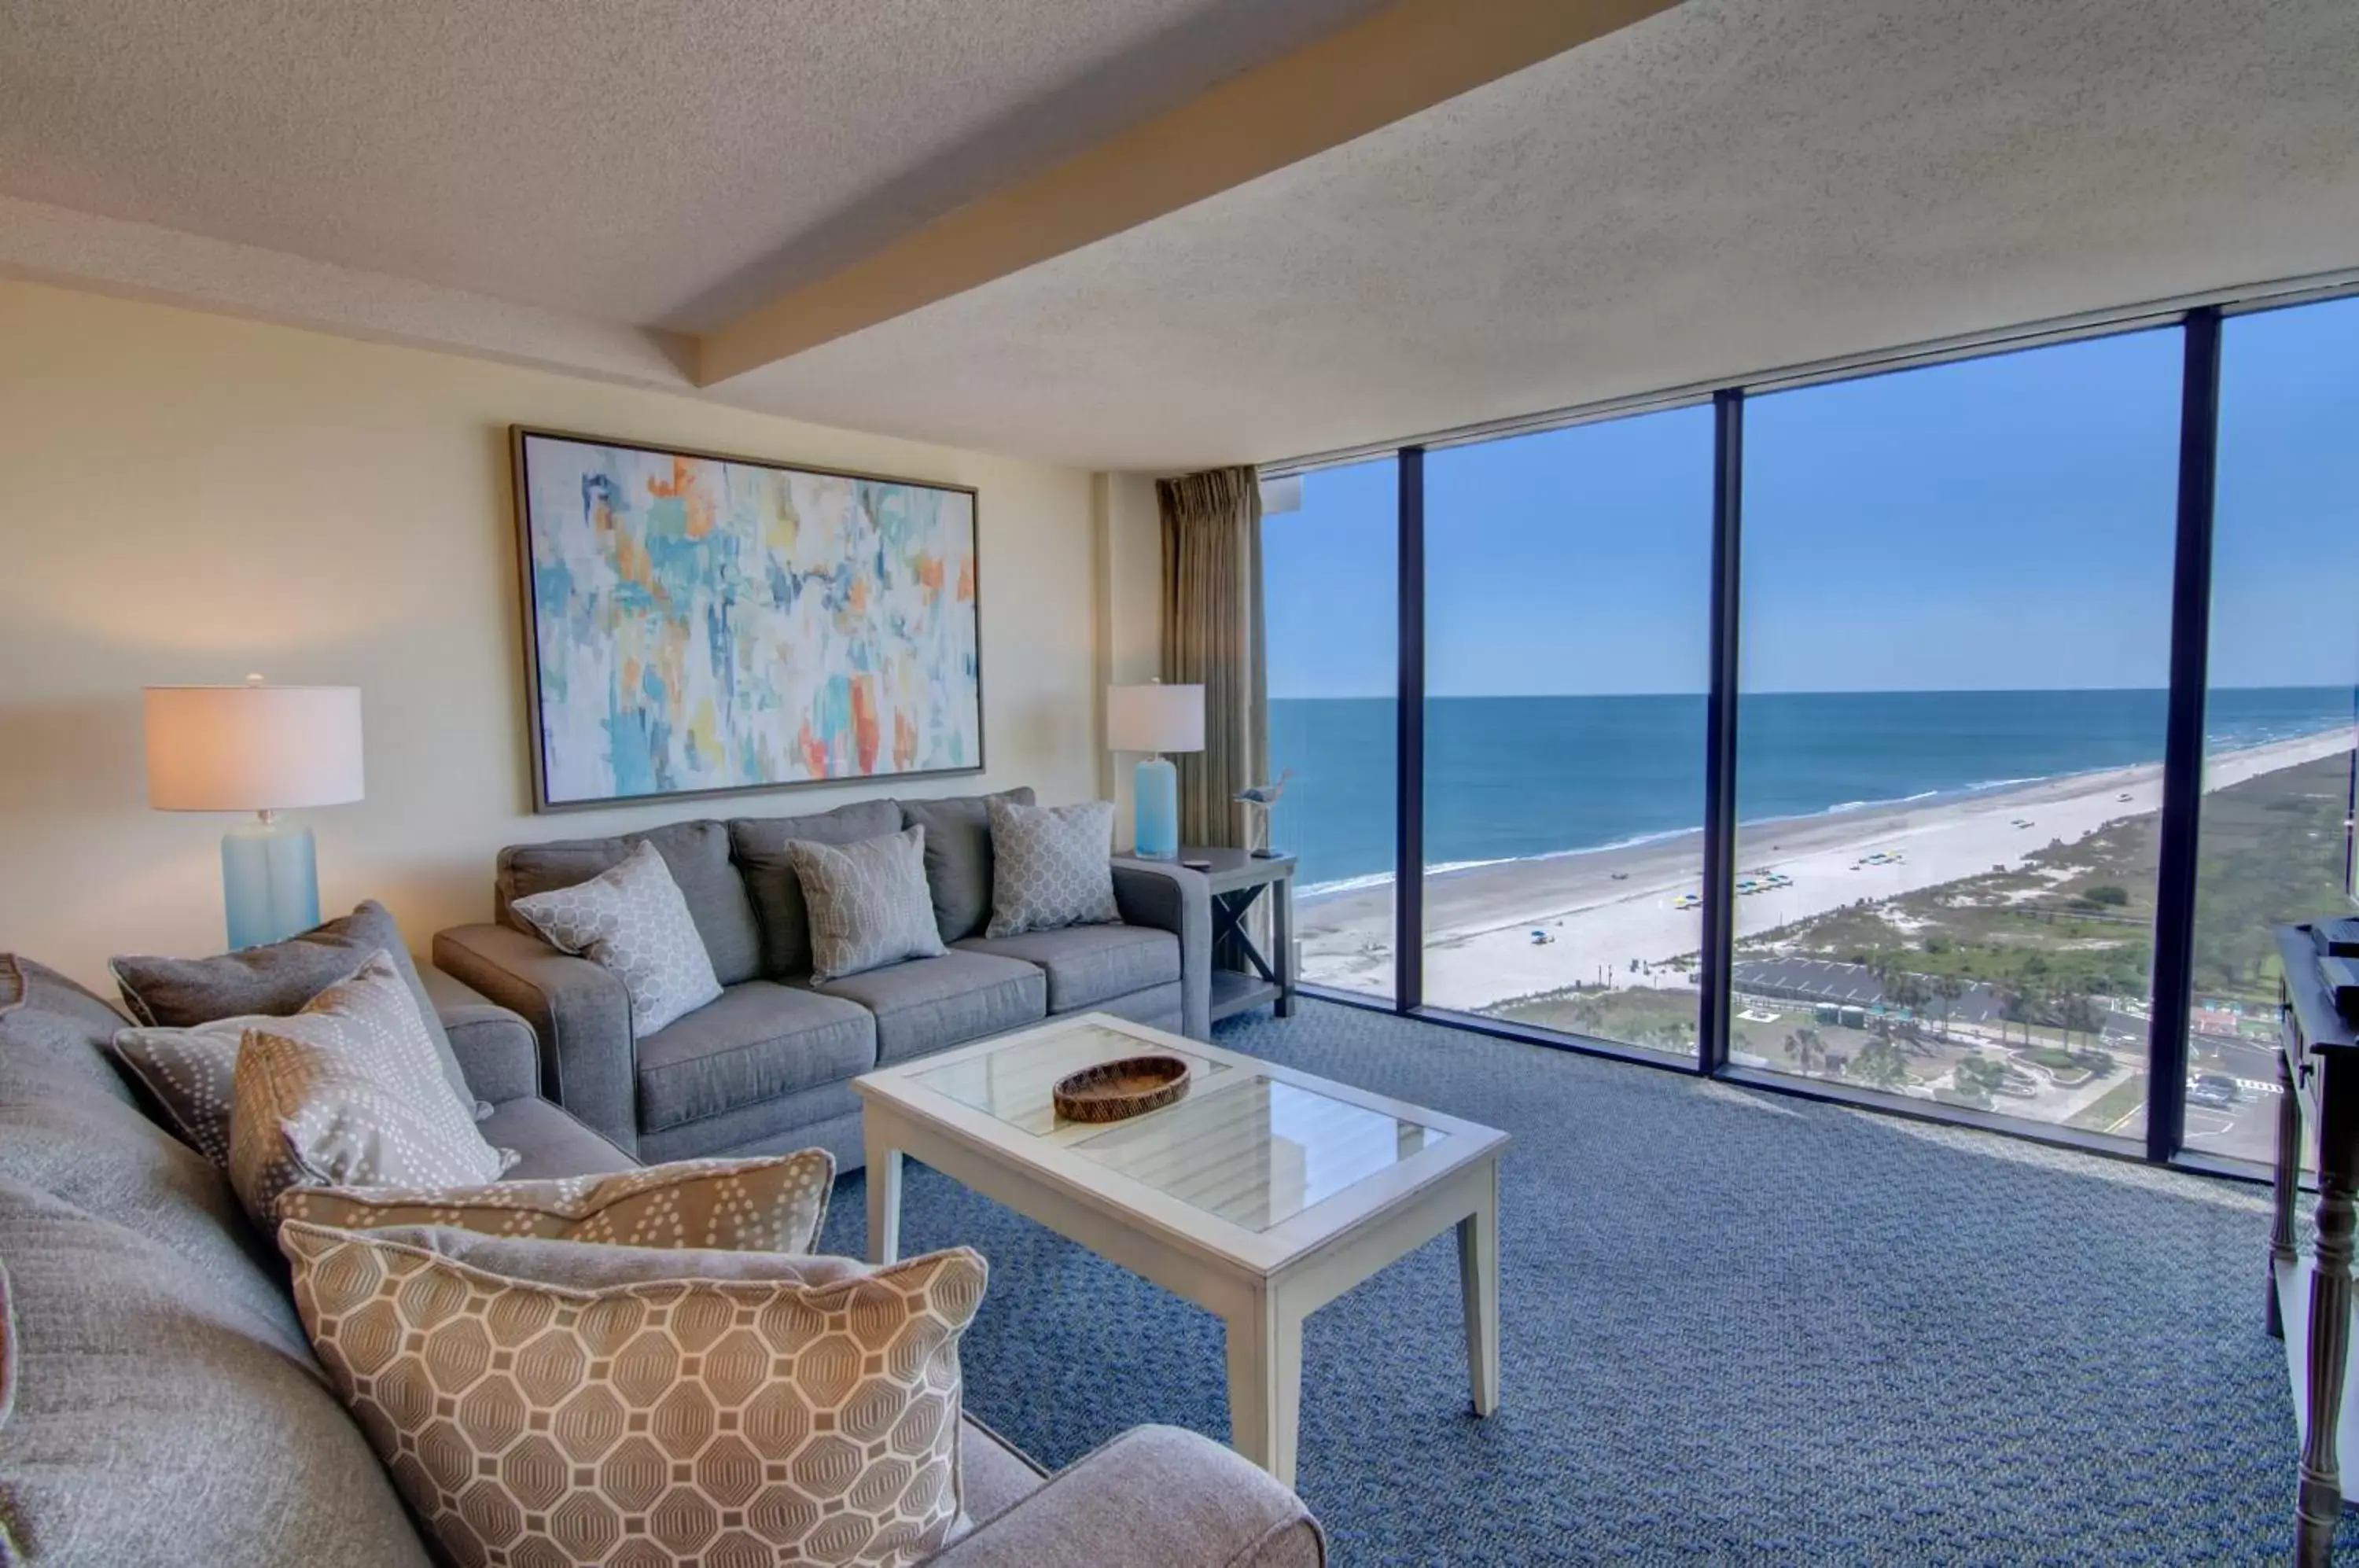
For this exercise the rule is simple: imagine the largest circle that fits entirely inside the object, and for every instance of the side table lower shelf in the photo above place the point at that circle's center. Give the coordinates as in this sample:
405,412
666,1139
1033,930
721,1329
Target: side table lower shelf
1236,991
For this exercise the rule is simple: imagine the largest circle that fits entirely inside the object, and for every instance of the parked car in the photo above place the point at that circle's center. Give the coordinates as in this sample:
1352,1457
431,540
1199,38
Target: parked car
2216,1090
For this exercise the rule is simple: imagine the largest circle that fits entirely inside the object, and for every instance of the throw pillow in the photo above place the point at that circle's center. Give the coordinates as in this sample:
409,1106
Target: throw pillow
868,903
279,979
958,857
347,1092
553,1401
633,921
775,1204
1051,866
191,1076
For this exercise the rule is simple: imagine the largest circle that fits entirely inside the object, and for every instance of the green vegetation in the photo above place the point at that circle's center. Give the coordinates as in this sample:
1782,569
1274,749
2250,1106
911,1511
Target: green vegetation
2271,850
1660,1019
2075,924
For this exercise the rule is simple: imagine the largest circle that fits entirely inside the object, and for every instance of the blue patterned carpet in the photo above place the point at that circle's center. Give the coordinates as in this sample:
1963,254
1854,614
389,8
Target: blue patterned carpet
1737,1327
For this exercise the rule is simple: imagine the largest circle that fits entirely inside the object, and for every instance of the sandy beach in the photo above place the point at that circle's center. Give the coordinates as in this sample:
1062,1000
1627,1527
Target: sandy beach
1608,908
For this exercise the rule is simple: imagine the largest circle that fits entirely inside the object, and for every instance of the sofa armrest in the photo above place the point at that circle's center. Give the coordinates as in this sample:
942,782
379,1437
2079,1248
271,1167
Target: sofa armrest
494,1047
588,1060
1154,1498
1174,899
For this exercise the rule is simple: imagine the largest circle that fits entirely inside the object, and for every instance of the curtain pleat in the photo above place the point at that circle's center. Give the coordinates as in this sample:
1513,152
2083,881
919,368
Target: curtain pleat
1212,626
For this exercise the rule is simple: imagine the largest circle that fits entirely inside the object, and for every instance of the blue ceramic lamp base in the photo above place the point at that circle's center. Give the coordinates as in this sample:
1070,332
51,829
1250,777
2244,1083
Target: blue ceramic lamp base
270,882
1155,796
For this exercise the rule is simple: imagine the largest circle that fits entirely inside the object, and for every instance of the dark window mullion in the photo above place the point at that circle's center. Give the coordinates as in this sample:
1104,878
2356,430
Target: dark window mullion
1409,743
2182,762
1714,1000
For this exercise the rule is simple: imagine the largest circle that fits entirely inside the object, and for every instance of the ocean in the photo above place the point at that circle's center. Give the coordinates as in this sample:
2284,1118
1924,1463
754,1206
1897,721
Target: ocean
1510,777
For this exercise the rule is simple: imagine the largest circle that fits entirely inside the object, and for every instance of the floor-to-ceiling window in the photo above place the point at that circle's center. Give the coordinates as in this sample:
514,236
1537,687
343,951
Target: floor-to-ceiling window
1330,560
2274,836
1956,663
1566,584
1952,586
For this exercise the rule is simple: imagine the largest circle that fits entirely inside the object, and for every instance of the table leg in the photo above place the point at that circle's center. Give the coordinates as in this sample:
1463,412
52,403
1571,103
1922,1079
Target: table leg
2318,1506
2289,1180
1281,937
1266,1384
884,1202
1478,1286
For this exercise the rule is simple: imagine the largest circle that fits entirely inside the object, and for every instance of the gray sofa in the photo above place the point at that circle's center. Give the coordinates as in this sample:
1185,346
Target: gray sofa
769,1066
160,1405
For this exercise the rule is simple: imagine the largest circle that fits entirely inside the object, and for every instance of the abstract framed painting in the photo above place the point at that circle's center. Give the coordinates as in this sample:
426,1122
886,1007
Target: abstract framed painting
696,624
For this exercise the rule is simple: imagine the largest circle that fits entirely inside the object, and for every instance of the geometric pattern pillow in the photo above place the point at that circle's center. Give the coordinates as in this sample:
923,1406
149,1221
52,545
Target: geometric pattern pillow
191,1074
544,1401
348,1093
868,902
632,921
1050,867
774,1203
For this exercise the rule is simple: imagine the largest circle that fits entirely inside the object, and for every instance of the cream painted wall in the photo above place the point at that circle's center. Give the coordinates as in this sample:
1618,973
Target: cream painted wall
1130,614
190,497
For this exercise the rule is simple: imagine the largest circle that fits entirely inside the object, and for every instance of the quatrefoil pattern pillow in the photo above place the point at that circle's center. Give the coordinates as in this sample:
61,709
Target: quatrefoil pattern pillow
868,902
1050,867
632,921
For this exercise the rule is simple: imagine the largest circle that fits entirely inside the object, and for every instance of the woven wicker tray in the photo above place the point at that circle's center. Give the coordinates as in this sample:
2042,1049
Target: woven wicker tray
1113,1090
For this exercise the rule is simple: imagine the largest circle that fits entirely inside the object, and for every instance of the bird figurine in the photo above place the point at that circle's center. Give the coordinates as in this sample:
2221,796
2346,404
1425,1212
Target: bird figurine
1262,798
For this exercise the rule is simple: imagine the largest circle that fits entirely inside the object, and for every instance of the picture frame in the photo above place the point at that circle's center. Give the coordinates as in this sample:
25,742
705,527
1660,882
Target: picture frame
699,623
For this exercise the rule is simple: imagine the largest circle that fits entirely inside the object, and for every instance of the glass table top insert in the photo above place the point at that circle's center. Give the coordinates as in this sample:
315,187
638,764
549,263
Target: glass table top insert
1257,1152
1251,1150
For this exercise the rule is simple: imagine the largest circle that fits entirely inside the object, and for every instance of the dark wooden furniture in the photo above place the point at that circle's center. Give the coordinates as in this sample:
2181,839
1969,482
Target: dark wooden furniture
1242,977
2310,1298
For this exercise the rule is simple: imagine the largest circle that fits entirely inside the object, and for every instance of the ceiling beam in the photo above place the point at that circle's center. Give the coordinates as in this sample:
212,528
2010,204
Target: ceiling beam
1382,68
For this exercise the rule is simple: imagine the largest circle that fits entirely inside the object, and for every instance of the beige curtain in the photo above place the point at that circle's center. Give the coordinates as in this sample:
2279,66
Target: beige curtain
1211,637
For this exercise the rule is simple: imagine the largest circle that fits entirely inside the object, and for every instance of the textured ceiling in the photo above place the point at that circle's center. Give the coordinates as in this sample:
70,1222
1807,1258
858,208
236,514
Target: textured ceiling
1732,186
658,164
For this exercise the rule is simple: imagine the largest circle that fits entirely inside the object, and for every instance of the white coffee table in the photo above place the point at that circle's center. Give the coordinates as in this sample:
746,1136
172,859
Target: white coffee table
1262,1196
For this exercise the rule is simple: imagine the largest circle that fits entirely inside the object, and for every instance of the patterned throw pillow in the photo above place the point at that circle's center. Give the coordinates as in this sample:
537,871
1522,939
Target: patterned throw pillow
633,921
1051,866
551,1401
192,1075
775,1204
868,902
348,1093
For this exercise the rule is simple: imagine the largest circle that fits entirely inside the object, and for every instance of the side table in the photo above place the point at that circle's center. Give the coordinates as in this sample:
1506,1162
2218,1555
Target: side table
1238,879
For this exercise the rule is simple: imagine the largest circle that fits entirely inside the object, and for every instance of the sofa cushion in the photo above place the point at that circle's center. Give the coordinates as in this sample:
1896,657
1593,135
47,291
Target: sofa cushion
158,1420
659,1407
928,1004
1088,964
698,855
279,979
958,856
759,845
549,1141
760,1041
69,1128
868,902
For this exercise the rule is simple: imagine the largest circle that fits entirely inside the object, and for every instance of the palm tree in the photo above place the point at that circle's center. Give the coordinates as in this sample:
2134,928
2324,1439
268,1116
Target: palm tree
1804,1045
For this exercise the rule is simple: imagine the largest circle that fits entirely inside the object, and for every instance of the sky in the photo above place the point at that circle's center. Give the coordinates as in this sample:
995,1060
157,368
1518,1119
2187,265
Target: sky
2004,523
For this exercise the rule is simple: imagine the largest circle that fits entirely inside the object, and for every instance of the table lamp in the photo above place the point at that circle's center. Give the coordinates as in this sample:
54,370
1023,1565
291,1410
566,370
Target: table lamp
1155,718
262,750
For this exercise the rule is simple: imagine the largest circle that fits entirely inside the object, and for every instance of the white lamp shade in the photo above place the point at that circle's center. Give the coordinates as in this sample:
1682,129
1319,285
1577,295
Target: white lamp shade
1154,718
253,748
